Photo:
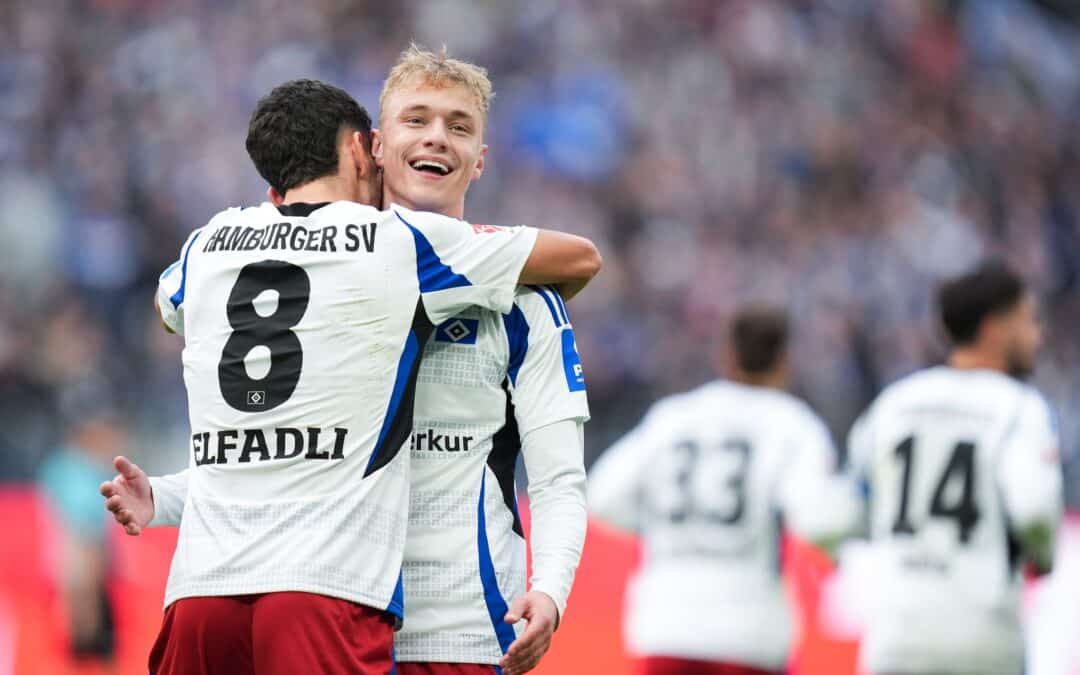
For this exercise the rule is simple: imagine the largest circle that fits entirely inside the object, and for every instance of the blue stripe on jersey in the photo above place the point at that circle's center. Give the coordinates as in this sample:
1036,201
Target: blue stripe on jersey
177,298
562,305
862,486
496,604
547,301
397,600
401,382
517,336
433,274
575,374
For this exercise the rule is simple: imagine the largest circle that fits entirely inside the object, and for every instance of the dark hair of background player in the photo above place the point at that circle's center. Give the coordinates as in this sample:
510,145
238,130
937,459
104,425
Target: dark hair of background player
759,336
293,133
990,289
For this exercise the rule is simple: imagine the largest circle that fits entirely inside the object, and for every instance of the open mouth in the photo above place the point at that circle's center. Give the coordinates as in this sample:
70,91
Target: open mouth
431,166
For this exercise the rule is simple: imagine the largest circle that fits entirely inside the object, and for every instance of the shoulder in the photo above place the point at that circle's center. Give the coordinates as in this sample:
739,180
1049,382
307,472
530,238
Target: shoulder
540,307
420,219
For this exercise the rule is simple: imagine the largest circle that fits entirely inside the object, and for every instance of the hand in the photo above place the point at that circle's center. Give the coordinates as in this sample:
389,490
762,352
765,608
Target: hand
129,497
541,615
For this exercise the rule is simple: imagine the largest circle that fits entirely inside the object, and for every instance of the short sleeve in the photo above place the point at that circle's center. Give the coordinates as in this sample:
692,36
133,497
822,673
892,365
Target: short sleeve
172,285
460,265
547,382
1030,466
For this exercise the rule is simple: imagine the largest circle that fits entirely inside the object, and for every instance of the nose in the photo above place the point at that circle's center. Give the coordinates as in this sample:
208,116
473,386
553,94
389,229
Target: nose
435,135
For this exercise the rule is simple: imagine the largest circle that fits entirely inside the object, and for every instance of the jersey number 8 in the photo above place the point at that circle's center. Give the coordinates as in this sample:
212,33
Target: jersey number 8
273,331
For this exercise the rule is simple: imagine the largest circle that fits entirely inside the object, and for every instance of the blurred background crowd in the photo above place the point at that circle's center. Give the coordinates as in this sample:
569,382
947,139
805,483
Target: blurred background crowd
838,156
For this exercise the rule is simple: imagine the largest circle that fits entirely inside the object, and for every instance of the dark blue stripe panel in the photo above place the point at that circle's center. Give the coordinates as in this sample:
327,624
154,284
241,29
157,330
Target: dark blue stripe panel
397,425
496,604
401,381
433,274
397,600
550,305
560,303
177,298
517,335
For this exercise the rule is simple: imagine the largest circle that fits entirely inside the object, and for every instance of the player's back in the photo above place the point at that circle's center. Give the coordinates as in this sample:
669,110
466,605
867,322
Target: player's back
303,331
934,450
713,472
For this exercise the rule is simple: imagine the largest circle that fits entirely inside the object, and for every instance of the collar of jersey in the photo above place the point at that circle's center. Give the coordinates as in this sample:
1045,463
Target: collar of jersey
300,209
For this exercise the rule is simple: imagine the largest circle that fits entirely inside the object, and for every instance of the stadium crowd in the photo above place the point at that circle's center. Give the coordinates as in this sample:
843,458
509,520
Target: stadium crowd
837,156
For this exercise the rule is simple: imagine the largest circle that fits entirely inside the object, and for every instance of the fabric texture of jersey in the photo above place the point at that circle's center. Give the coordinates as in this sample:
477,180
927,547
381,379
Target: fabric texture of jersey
705,479
487,380
303,330
952,461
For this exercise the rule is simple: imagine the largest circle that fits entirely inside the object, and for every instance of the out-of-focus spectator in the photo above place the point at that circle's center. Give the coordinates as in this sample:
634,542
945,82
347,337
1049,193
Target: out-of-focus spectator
69,479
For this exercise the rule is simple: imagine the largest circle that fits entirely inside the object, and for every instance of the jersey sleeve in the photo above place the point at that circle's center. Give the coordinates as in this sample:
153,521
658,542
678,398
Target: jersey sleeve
555,463
172,285
547,383
1030,468
816,501
169,494
460,265
616,480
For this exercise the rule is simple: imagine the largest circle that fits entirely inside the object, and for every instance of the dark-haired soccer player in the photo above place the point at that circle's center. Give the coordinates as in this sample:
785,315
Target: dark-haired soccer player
960,465
707,479
304,324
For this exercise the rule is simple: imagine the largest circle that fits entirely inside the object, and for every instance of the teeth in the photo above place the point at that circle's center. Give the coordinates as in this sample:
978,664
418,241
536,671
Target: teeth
427,163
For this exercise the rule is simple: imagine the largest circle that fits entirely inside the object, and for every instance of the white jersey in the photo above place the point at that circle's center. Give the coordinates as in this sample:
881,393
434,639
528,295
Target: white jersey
705,479
952,461
486,381
303,330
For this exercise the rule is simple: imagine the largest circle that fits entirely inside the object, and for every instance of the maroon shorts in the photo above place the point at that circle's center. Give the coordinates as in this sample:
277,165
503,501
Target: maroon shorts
664,665
445,669
272,634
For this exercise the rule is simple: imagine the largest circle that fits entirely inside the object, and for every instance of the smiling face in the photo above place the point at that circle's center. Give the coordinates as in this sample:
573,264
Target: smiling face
430,145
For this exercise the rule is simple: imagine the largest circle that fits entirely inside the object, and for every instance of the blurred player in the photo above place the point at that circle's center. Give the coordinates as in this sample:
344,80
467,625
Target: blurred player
960,465
491,385
708,479
304,325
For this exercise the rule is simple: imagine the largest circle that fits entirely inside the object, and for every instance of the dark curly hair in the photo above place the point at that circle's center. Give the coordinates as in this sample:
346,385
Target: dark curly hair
293,134
990,289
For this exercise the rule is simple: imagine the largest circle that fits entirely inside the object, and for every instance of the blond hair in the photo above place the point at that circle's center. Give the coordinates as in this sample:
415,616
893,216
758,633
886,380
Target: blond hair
439,70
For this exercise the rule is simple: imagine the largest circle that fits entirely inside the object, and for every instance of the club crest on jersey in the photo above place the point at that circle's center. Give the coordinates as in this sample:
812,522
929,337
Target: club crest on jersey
458,331
256,398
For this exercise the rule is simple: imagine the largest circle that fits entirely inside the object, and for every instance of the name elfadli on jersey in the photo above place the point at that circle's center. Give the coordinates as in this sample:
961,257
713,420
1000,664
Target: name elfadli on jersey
241,446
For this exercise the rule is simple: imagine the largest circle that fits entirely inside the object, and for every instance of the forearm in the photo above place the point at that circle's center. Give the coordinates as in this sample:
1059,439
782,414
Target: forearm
562,259
554,460
169,495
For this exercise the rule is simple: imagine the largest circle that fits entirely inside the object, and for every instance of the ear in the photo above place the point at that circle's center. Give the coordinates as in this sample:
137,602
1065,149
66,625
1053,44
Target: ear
377,147
275,198
359,154
479,170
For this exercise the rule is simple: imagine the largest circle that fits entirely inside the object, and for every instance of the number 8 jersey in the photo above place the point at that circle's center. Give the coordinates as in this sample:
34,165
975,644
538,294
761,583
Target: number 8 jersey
954,463
303,330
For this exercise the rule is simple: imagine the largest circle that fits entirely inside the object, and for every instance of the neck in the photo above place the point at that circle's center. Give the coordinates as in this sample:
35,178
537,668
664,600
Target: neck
769,380
455,210
330,189
972,358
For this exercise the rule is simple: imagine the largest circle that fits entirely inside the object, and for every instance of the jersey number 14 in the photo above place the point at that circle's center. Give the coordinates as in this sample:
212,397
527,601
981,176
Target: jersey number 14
962,510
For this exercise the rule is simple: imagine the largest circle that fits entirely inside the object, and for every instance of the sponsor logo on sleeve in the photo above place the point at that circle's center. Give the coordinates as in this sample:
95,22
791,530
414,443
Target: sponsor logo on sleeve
575,375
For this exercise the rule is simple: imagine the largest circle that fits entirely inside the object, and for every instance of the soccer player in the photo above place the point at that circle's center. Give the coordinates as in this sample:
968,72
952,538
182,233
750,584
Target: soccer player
491,384
708,479
304,325
960,466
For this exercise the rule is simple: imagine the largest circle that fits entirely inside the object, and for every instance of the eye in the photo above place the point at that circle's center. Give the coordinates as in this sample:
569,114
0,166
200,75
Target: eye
414,121
459,128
